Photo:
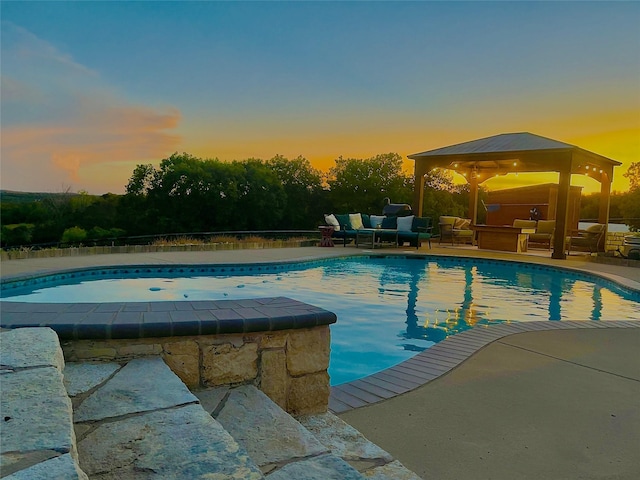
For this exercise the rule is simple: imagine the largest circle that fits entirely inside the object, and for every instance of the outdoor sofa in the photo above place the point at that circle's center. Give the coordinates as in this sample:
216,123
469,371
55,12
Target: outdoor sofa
400,230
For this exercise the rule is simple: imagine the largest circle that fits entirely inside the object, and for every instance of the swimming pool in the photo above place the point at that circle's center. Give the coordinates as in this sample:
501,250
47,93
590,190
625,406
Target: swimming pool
389,308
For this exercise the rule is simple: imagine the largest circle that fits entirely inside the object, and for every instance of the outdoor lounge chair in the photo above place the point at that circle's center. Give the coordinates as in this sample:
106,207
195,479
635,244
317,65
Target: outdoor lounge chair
591,239
544,233
455,229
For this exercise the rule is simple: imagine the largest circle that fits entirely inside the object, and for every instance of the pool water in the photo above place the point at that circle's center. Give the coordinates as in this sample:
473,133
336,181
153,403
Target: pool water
388,308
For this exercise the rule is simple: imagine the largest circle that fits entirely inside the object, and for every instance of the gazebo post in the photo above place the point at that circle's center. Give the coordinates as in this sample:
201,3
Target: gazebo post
419,171
605,198
562,213
473,199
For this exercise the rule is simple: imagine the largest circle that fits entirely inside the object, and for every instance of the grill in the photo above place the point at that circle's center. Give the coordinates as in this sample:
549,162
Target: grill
396,209
631,247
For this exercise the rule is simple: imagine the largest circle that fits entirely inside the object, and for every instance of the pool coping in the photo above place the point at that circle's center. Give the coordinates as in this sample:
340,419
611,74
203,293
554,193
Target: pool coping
132,320
441,359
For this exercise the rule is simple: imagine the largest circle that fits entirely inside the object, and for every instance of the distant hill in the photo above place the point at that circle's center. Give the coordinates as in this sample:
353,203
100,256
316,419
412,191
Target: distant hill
9,196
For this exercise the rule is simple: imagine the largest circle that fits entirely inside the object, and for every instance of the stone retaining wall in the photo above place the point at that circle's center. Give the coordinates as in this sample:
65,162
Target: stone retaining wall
614,241
289,366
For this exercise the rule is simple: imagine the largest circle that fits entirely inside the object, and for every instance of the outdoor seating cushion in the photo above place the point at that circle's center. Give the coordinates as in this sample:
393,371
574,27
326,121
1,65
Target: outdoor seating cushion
343,219
366,221
422,225
355,219
519,223
376,221
389,223
333,221
405,224
546,227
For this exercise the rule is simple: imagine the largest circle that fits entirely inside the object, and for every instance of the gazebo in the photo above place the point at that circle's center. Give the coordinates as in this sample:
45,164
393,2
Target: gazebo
480,160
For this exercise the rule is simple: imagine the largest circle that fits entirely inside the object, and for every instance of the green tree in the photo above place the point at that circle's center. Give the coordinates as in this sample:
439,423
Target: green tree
302,184
189,194
633,174
142,180
360,185
261,197
630,204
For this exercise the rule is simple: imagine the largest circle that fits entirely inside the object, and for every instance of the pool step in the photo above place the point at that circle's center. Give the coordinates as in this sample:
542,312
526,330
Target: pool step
311,447
37,437
138,420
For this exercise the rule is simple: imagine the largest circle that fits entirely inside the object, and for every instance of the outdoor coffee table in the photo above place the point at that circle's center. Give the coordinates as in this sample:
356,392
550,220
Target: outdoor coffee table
374,236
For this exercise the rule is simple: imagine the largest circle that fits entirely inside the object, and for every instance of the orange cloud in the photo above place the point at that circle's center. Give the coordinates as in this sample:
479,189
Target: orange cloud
100,134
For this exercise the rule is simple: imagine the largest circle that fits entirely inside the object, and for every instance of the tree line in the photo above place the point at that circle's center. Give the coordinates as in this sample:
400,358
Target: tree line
187,194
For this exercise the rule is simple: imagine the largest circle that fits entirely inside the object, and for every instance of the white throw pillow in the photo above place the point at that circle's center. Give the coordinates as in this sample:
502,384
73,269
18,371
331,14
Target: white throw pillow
376,220
356,221
405,223
333,221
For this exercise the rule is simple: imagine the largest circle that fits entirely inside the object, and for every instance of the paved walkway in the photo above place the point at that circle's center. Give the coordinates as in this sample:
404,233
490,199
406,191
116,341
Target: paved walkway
553,404
542,405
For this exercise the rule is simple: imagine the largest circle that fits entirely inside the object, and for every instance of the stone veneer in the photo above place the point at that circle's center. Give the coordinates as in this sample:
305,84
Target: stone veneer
289,366
614,241
277,344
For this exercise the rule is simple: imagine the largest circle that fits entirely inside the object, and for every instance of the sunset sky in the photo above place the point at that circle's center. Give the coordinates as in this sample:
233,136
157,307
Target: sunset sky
91,89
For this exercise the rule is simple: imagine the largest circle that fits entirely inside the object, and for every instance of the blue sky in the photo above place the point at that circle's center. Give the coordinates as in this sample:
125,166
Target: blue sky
91,89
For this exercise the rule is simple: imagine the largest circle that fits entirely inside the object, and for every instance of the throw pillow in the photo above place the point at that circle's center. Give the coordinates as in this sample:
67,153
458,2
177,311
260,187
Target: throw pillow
333,221
366,221
389,223
343,220
376,220
356,221
462,224
405,223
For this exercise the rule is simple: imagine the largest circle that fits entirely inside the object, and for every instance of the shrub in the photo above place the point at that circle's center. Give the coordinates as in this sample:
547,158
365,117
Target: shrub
74,235
16,234
97,233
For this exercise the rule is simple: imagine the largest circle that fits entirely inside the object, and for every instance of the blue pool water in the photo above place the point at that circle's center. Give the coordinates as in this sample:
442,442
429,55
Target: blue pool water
388,308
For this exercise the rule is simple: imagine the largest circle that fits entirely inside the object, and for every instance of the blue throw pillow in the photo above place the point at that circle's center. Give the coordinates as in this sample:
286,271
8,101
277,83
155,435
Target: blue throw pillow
405,223
390,223
366,221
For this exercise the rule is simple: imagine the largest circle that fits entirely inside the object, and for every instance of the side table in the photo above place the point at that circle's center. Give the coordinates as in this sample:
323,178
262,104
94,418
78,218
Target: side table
326,232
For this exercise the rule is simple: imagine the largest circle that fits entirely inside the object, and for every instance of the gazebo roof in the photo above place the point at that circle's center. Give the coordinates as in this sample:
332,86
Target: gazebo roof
505,142
515,152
